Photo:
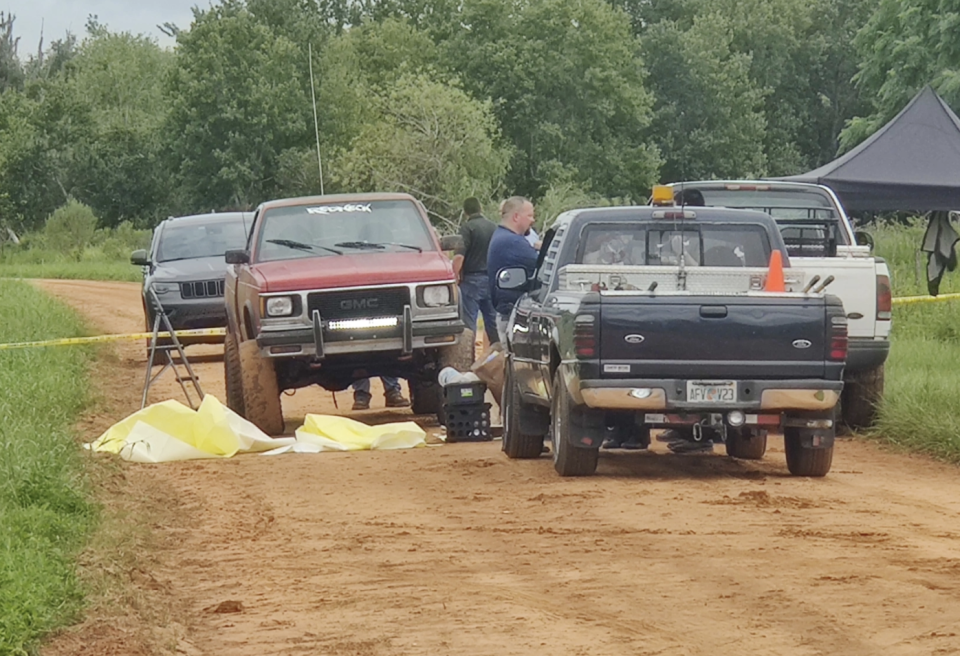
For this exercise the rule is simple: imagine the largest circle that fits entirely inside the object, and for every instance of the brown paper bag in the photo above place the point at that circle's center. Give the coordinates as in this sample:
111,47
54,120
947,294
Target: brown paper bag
489,369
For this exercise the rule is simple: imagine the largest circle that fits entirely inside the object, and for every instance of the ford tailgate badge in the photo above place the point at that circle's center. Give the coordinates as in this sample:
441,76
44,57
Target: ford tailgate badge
802,343
633,339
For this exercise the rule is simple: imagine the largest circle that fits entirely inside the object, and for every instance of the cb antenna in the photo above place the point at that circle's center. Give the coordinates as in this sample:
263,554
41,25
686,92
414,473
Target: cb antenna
316,121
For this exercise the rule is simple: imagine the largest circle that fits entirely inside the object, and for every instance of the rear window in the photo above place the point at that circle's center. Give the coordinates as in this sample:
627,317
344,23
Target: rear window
324,230
721,245
191,240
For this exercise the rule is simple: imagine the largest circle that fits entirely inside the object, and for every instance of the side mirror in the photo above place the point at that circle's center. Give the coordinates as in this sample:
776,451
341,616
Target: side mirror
512,278
237,256
451,242
140,258
863,238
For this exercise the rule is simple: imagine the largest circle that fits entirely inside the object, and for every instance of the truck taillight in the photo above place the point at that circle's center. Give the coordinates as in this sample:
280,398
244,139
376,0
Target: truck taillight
838,338
585,336
884,298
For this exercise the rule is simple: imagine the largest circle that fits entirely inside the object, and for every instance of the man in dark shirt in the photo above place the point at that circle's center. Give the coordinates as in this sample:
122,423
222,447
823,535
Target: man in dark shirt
510,248
470,265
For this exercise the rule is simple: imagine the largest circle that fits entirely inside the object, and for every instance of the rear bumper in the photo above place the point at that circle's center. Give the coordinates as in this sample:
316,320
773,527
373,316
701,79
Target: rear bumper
755,395
301,342
864,354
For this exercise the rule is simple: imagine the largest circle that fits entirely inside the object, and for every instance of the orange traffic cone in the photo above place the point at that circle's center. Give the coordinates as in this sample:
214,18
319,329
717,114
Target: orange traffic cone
775,274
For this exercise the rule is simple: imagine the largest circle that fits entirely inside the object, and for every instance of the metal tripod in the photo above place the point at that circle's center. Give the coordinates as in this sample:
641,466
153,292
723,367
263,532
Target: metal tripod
161,322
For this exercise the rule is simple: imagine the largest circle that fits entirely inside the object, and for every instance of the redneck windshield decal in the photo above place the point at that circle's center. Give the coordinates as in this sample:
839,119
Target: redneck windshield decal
349,208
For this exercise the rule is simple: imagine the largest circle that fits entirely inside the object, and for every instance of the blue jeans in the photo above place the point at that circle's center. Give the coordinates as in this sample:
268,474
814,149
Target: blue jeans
475,299
362,386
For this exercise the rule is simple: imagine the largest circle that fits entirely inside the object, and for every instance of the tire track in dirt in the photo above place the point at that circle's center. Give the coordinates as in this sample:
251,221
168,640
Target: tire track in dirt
457,550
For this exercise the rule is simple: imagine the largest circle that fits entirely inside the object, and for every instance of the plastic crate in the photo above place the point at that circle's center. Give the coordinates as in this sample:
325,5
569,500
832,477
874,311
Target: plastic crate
464,393
467,423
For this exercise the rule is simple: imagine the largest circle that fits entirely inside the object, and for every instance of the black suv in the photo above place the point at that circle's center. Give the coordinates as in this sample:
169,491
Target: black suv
186,269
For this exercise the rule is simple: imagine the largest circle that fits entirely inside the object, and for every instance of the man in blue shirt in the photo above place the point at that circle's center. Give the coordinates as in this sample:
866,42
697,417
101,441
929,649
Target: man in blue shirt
509,248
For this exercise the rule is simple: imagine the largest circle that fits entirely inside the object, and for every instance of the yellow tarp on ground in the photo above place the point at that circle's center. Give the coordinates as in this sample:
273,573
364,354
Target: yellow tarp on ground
170,431
333,433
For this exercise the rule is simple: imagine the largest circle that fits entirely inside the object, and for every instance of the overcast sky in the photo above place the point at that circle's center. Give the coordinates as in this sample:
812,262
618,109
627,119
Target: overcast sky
56,17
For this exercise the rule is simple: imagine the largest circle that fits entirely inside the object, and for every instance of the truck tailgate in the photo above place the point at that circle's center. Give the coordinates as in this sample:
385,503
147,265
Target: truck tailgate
855,283
712,336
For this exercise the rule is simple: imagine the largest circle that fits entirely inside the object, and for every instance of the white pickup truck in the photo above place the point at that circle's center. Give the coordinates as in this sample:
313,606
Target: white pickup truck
821,242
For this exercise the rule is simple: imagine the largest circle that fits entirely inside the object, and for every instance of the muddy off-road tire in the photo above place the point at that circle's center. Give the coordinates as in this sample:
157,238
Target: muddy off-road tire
232,374
426,396
805,461
746,443
261,395
516,444
568,460
860,398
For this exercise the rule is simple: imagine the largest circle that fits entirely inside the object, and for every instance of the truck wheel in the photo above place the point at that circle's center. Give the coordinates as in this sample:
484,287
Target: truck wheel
568,460
232,374
803,460
515,443
261,394
861,396
460,355
746,443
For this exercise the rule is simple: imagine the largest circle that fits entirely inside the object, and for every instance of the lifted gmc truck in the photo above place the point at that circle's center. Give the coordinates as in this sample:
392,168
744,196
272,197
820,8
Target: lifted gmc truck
644,317
822,242
332,289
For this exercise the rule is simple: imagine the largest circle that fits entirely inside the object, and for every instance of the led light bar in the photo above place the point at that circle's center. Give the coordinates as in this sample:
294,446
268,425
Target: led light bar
360,324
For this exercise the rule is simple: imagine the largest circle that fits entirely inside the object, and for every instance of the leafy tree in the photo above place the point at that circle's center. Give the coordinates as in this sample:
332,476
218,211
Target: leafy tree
567,84
429,139
799,57
237,102
709,113
70,229
905,45
11,71
361,63
119,170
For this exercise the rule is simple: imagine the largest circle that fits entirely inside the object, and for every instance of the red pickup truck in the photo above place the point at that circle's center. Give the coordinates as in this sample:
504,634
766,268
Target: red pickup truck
333,289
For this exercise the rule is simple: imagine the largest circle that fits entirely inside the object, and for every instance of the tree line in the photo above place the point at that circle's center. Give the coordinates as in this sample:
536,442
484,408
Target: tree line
553,99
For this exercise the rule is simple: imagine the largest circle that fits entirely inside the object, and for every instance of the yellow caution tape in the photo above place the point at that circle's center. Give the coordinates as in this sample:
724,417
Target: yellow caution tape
905,300
219,332
70,341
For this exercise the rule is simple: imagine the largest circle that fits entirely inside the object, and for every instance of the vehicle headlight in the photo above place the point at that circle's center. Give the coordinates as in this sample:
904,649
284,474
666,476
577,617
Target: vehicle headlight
165,287
436,296
279,306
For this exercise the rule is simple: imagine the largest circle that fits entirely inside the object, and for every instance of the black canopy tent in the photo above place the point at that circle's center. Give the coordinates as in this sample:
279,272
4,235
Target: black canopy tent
911,163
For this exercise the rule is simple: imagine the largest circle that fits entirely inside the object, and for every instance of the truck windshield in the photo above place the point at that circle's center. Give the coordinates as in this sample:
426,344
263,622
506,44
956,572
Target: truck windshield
190,239
359,228
734,245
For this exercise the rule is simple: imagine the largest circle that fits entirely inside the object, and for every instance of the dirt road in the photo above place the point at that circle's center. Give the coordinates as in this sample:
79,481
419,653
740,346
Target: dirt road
456,550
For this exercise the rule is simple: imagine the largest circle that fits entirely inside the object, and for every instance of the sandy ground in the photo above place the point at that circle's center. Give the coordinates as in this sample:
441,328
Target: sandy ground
456,550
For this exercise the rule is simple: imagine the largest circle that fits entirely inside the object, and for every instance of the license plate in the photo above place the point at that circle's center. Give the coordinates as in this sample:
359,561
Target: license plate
712,391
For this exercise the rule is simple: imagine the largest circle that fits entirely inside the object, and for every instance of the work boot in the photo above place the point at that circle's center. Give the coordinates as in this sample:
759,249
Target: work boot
394,399
636,442
361,401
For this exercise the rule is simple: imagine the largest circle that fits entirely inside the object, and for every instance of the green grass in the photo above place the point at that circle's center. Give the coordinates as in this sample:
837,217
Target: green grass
45,512
920,397
923,371
95,265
